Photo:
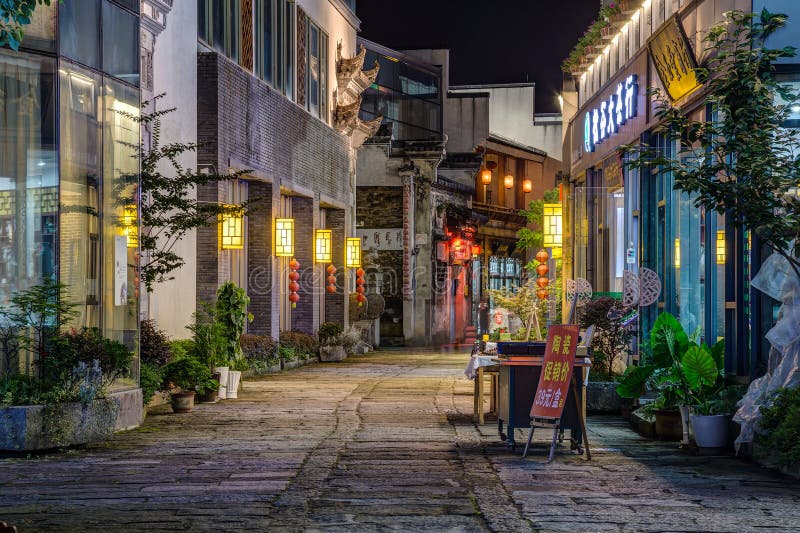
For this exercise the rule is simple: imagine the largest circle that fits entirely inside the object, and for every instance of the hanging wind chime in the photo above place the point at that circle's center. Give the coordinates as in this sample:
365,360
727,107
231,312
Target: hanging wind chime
360,287
294,277
331,279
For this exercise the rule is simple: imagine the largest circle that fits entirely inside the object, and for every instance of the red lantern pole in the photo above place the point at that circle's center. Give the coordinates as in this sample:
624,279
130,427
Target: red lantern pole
331,279
360,287
294,277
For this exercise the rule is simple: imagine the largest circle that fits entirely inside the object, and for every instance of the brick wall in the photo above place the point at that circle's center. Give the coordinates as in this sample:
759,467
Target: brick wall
259,257
379,207
303,214
334,303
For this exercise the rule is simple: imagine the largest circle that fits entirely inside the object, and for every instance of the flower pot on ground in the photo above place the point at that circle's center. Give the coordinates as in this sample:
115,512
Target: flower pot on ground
332,354
669,425
183,378
207,392
710,431
223,381
234,377
182,402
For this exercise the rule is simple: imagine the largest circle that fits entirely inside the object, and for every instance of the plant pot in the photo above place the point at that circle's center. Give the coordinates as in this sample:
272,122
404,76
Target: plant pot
234,377
710,431
331,354
182,402
223,381
288,365
209,397
668,424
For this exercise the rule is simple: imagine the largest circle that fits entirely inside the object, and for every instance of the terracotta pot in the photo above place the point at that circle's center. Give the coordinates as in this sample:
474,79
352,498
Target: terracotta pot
182,402
668,424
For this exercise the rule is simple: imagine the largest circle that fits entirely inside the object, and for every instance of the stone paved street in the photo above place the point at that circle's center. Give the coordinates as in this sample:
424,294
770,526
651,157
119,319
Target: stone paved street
379,442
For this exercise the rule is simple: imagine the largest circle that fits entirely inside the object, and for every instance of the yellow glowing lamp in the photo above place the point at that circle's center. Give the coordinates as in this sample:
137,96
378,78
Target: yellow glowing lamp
677,253
527,185
721,247
486,176
323,246
509,181
557,253
284,237
552,227
352,252
231,231
130,225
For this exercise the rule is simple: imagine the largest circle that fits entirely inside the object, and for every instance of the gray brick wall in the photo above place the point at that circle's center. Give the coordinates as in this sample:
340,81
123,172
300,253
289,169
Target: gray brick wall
334,303
303,214
259,257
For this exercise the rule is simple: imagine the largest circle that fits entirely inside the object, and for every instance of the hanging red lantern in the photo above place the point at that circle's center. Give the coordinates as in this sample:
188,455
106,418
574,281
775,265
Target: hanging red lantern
331,279
360,298
294,277
359,281
543,282
360,287
542,294
542,256
542,270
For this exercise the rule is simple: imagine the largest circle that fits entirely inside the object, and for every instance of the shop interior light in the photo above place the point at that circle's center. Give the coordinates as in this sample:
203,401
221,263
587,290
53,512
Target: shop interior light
476,250
527,185
352,255
677,253
486,176
130,225
552,227
721,247
323,246
284,237
509,181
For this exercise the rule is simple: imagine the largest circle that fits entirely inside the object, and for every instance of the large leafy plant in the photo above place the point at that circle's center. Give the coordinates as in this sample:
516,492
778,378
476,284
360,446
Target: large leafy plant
232,315
683,371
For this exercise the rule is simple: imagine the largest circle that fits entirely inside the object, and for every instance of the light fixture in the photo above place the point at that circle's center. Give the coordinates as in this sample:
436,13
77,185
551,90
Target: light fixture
323,246
476,250
352,253
552,228
677,253
509,181
527,185
486,176
231,230
130,225
284,237
721,247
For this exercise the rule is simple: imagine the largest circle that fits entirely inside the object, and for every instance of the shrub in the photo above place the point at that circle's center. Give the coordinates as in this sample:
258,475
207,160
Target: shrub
611,337
258,348
149,381
232,316
182,348
211,342
188,374
329,333
779,427
84,346
350,338
286,353
303,344
154,346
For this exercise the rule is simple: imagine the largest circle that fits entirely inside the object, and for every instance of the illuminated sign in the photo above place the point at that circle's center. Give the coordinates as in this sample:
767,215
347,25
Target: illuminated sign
604,121
674,60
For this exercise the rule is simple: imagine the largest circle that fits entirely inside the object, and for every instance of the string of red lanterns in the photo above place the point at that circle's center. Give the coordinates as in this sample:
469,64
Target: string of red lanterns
331,279
542,270
360,287
294,277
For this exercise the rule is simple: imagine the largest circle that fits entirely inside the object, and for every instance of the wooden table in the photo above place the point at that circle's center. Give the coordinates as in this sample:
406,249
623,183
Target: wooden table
493,372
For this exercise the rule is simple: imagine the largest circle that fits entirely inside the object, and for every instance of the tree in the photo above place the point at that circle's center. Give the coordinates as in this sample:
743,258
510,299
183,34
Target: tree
167,210
14,14
744,163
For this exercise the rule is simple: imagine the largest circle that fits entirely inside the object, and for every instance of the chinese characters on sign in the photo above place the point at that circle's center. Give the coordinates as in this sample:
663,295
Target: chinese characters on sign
556,376
674,60
606,120
383,239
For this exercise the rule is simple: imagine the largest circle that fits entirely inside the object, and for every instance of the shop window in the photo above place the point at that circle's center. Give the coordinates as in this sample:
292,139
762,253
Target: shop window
40,34
219,23
79,31
120,43
265,32
28,172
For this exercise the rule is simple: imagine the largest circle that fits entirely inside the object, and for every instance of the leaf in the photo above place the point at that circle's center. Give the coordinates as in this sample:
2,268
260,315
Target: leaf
668,340
631,385
718,353
699,367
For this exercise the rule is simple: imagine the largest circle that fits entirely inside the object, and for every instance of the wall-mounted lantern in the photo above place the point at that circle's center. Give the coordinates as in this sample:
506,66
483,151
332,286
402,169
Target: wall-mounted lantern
323,246
486,176
552,227
130,225
508,181
721,247
284,237
231,231
352,253
527,185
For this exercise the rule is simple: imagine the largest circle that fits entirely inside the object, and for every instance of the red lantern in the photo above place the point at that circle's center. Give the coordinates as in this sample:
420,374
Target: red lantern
331,270
294,277
294,286
359,281
542,269
294,264
543,282
360,287
542,294
542,256
331,289
360,273
331,280
361,299
294,298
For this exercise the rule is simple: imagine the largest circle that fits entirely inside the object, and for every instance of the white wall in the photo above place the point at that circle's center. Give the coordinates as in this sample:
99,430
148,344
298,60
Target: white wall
175,73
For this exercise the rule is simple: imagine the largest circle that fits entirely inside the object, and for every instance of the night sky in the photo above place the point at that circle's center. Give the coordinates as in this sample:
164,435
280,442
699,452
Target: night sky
490,41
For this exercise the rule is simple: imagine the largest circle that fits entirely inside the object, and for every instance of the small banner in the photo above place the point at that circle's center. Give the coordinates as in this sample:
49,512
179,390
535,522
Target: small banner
556,375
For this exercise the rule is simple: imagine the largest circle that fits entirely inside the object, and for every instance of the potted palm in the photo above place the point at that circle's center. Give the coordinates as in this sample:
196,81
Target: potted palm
183,378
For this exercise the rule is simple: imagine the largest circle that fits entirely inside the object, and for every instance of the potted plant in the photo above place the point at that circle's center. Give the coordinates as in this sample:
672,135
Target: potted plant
230,317
208,391
183,378
235,377
330,343
711,417
210,345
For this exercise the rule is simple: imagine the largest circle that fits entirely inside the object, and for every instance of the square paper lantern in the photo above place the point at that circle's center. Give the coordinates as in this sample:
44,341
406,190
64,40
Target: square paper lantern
721,247
552,226
231,231
284,237
352,253
130,225
323,246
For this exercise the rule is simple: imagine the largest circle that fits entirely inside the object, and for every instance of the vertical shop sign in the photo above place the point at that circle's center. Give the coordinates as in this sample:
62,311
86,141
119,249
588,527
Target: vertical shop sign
120,270
556,375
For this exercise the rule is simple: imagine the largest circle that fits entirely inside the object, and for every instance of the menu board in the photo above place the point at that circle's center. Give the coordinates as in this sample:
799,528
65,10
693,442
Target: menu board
556,375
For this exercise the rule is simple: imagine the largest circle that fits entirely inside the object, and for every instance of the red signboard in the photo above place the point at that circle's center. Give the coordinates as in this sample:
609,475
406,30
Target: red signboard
556,375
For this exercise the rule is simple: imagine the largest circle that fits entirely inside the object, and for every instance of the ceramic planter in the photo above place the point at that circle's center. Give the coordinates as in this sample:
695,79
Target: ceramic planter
710,431
234,377
183,402
223,381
